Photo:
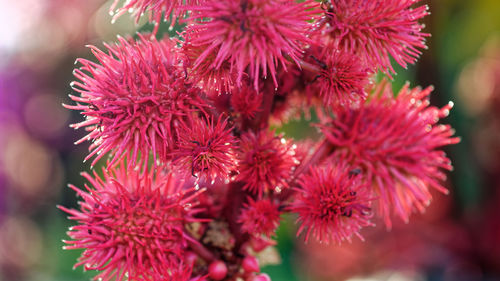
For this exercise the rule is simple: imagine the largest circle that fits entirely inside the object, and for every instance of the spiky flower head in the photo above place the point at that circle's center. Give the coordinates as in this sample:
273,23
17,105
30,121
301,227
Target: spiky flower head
266,162
332,204
376,30
342,77
215,81
206,148
246,101
259,217
131,225
395,141
155,9
133,99
252,36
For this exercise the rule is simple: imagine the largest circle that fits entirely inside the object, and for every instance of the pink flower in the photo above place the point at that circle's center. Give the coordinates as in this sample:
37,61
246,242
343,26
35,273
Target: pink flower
251,36
377,29
133,99
214,81
246,101
171,9
342,77
266,162
259,217
332,204
395,142
206,148
132,224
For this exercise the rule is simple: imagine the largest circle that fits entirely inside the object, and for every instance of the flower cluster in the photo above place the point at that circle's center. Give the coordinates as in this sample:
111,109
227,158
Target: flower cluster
196,181
134,99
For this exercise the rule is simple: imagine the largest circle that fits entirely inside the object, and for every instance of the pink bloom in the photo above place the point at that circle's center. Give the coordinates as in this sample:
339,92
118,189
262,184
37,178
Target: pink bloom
259,217
246,101
206,148
395,141
377,29
332,204
133,99
266,162
214,81
342,77
132,224
252,36
171,9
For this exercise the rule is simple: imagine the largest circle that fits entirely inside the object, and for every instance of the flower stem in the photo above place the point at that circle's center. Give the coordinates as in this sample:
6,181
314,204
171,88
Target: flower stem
200,250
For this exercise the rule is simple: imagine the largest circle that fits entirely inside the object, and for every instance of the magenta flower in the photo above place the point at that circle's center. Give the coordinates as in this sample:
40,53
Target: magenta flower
252,36
332,203
133,99
396,143
206,149
246,101
259,217
376,29
214,81
266,162
342,77
131,225
170,9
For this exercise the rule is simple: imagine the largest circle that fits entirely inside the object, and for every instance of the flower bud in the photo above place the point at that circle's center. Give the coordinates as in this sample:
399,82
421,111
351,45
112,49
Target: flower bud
190,258
217,270
250,264
259,243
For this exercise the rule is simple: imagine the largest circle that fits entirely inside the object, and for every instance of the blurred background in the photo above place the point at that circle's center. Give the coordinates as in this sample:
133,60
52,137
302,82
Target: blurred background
458,238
